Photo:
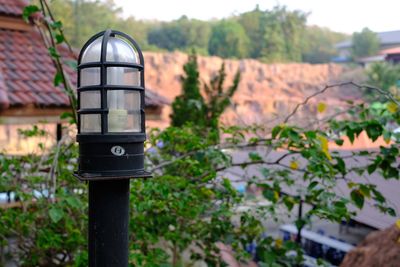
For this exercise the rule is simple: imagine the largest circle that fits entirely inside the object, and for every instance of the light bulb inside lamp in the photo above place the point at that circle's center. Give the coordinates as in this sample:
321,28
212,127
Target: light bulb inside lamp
117,113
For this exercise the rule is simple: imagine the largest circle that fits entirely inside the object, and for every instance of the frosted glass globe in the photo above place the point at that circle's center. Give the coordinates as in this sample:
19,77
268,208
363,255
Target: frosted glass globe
117,51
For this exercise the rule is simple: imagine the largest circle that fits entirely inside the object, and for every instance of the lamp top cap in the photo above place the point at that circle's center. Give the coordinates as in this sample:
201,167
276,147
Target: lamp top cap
119,47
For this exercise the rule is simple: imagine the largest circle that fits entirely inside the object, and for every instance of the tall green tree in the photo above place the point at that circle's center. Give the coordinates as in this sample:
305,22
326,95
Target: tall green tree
365,43
253,23
274,42
218,98
189,107
284,34
228,40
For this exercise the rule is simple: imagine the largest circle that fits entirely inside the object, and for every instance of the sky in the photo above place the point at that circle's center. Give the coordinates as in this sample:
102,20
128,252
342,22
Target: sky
345,16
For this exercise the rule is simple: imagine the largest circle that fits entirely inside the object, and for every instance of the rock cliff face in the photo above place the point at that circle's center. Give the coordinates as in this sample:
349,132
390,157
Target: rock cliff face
266,91
380,248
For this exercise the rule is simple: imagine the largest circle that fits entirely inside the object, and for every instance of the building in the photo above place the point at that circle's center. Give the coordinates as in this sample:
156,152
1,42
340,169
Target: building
27,93
388,40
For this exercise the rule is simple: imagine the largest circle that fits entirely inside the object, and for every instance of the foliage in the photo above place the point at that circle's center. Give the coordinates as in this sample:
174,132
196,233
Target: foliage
48,225
272,35
384,75
228,39
180,34
286,30
203,113
189,106
365,43
218,98
319,44
103,14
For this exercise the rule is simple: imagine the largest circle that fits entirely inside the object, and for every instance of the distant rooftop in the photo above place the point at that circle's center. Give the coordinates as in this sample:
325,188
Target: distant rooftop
386,38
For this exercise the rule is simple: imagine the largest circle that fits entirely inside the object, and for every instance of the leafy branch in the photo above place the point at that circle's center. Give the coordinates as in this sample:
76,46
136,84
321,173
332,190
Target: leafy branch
53,38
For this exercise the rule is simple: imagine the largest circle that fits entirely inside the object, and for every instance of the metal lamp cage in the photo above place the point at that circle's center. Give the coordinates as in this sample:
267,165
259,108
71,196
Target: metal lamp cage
107,149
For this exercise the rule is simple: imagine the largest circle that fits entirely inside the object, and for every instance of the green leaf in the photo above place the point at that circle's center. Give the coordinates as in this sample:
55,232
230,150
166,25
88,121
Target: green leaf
374,130
59,38
28,11
271,195
56,214
265,172
294,136
58,79
289,202
378,196
66,115
340,165
53,52
365,191
371,168
73,202
350,134
56,25
312,185
254,156
358,198
339,142
391,212
275,131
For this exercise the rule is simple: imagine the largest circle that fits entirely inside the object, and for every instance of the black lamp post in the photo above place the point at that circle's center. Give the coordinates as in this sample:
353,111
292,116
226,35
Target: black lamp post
111,134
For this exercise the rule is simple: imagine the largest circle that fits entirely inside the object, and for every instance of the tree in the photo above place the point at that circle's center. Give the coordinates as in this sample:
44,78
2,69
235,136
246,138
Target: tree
365,43
383,75
253,23
228,39
284,32
218,98
274,43
276,35
181,34
189,107
79,26
318,46
203,113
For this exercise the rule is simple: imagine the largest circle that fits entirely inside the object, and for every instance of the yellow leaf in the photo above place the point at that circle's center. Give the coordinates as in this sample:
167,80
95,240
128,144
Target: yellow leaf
294,165
276,195
398,223
387,140
321,107
392,107
351,185
278,243
325,146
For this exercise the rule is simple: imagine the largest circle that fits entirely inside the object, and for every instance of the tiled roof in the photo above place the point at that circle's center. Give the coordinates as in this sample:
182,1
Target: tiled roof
391,51
12,7
26,71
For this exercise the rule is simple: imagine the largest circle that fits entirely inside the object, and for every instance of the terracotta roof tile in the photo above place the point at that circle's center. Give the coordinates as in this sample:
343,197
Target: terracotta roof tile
12,7
27,71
